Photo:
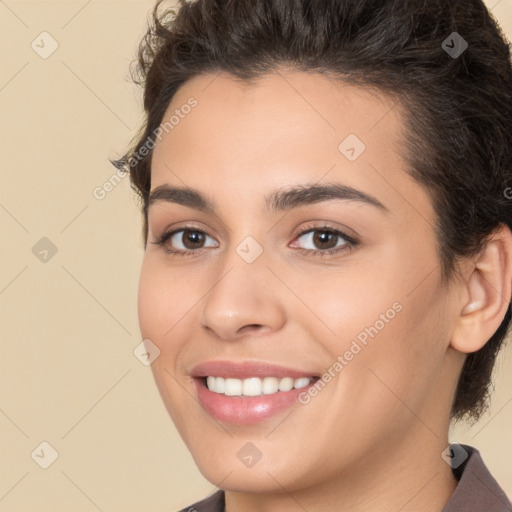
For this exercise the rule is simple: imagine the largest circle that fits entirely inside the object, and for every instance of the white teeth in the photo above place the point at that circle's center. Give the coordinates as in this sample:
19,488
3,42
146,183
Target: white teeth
254,386
220,384
233,387
302,382
286,384
251,387
210,382
270,385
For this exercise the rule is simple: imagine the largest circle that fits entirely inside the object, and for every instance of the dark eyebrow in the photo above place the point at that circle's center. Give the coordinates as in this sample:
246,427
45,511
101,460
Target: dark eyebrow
277,201
310,194
181,195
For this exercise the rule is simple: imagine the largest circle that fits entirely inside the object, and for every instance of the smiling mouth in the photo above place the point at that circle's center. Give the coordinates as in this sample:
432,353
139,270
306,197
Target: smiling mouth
255,386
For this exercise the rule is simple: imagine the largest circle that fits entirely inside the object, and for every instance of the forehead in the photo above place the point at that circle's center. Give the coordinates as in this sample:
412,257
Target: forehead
284,128
286,99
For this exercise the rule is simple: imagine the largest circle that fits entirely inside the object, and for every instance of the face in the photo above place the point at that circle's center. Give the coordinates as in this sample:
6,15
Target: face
343,285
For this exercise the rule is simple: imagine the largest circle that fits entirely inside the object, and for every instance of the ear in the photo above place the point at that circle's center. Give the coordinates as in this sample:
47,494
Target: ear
487,296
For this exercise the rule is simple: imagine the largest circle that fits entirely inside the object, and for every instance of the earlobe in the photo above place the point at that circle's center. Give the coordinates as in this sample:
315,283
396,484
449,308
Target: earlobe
487,296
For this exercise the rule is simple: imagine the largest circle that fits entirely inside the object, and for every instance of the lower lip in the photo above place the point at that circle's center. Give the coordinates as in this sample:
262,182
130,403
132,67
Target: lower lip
246,410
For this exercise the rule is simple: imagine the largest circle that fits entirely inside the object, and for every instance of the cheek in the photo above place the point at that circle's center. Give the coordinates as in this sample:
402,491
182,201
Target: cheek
384,336
345,305
160,308
161,300
397,368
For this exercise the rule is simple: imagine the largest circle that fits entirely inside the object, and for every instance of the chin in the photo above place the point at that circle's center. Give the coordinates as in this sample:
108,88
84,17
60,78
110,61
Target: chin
265,476
244,480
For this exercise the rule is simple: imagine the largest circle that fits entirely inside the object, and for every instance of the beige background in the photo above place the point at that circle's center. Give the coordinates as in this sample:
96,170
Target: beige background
69,325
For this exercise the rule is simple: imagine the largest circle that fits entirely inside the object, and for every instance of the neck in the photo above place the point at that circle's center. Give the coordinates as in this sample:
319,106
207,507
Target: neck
409,476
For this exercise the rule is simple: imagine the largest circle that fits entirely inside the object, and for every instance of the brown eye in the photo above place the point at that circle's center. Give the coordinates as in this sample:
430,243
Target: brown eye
185,241
324,239
192,239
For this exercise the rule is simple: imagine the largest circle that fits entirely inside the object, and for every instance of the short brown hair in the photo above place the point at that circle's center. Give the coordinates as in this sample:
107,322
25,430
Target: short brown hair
459,107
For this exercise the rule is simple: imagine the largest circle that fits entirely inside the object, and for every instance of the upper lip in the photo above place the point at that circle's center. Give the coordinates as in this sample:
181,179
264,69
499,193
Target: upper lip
246,369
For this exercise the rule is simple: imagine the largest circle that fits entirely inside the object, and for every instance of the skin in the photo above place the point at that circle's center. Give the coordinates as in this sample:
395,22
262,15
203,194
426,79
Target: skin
372,438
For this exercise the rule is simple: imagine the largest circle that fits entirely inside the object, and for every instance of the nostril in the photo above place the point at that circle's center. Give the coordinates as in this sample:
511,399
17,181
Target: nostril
250,327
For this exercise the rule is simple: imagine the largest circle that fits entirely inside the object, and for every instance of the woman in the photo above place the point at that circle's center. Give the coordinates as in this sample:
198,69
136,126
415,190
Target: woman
325,188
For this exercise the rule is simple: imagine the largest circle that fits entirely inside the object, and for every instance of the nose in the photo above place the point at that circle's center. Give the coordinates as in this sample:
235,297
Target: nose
244,299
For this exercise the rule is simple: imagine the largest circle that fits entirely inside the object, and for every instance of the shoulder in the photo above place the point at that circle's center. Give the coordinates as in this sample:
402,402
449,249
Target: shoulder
213,503
477,490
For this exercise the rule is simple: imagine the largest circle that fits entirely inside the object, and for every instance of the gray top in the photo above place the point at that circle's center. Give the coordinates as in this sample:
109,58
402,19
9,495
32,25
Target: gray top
477,490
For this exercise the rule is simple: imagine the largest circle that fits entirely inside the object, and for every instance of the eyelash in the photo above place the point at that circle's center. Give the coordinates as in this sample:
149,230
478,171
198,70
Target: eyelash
350,241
